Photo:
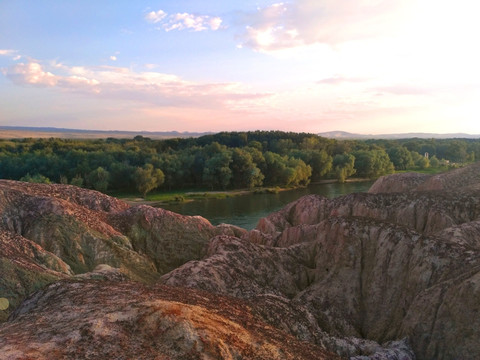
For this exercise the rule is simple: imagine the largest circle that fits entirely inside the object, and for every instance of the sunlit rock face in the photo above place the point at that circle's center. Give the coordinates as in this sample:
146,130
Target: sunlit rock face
391,274
48,232
463,178
378,266
111,319
25,267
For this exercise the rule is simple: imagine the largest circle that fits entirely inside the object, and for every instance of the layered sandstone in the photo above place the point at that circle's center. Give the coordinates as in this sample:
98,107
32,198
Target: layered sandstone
462,178
380,266
392,274
48,232
98,319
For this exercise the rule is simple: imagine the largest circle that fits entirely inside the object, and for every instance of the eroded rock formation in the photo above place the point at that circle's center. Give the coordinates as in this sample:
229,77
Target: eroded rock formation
391,274
379,266
125,320
51,231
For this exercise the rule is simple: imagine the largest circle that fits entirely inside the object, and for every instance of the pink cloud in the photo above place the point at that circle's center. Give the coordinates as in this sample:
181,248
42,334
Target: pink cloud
305,22
30,74
405,90
118,83
338,79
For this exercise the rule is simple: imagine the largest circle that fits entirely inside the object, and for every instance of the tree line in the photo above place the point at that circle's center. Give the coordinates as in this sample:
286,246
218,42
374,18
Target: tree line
227,160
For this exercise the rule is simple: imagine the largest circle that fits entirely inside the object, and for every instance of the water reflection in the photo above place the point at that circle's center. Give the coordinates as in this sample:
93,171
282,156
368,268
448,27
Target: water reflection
246,210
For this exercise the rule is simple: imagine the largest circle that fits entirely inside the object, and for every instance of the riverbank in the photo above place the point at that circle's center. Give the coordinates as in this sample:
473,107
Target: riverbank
169,197
162,198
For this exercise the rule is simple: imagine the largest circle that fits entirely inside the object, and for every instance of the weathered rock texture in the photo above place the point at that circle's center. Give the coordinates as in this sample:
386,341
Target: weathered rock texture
24,268
392,274
380,266
123,320
51,231
464,178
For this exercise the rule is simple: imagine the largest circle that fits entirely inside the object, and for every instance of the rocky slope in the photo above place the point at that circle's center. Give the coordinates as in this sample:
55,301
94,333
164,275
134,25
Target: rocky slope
51,231
24,268
381,267
391,274
125,320
463,178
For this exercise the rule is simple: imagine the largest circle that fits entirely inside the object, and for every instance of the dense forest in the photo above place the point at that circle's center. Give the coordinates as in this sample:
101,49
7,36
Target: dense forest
228,160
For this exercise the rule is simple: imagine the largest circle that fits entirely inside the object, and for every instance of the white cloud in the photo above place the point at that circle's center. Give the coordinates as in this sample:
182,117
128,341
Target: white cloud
119,83
155,16
339,79
7,52
305,22
10,53
113,58
214,23
182,21
30,74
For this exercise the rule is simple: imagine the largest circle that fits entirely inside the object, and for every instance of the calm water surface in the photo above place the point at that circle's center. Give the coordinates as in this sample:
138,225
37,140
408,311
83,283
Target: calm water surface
246,210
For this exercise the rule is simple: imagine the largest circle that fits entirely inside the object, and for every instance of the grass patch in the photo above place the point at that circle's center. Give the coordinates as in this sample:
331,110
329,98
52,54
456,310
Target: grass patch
167,197
183,196
428,171
272,190
179,196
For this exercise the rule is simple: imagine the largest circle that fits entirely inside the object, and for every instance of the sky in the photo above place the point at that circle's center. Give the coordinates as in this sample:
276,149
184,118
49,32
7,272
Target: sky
362,66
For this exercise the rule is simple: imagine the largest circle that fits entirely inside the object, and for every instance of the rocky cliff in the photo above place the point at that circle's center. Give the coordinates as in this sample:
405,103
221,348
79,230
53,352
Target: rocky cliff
51,231
462,178
125,320
390,274
383,266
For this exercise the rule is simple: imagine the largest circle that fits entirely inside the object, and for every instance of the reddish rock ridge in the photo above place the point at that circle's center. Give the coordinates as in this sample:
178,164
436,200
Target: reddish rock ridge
89,199
124,320
79,229
25,267
359,268
424,212
463,178
385,276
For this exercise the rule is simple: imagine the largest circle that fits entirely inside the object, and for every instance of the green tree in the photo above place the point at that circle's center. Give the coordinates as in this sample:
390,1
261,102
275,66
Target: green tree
77,180
121,176
434,162
285,171
297,173
148,178
457,151
217,172
245,174
37,178
344,166
274,169
420,162
318,160
400,157
98,179
372,163
173,168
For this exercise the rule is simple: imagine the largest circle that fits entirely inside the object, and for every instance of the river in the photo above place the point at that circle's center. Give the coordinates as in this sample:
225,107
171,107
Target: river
246,210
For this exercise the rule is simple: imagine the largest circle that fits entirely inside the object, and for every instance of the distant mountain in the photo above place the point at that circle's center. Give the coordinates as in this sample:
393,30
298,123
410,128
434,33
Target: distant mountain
18,132
343,135
42,132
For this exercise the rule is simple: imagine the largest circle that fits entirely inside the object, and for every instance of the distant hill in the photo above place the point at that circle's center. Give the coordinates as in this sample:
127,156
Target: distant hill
19,132
343,135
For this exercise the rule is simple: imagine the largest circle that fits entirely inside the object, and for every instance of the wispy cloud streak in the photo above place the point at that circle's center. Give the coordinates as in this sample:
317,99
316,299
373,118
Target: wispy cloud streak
124,84
184,21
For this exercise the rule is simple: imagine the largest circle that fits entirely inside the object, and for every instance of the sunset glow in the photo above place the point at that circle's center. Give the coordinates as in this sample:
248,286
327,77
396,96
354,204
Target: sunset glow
365,66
